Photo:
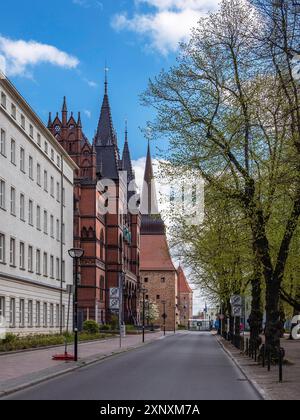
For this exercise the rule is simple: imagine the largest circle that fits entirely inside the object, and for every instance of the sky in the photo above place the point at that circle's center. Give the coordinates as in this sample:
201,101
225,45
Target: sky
61,48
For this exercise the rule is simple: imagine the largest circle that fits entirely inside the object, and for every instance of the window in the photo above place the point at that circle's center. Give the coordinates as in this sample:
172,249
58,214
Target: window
57,269
22,313
12,312
13,151
2,306
22,207
157,297
39,139
30,212
58,161
23,122
102,289
52,154
52,186
57,192
2,248
31,131
38,217
12,201
38,174
46,147
45,264
163,280
45,181
30,258
146,280
64,196
13,111
57,317
22,256
30,314
51,266
3,142
52,226
3,99
30,169
38,314
51,315
38,261
2,194
12,252
45,314
45,222
57,229
22,159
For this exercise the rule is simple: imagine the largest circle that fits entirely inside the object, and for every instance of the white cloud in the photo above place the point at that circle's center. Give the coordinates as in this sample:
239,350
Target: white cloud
88,3
18,57
91,83
168,24
87,113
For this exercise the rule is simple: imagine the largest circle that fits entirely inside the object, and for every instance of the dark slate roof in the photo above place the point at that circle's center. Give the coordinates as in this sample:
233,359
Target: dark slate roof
105,135
152,225
126,160
107,161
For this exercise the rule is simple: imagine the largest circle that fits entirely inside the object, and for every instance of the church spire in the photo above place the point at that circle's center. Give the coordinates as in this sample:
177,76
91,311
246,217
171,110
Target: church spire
49,120
64,112
149,198
105,135
126,159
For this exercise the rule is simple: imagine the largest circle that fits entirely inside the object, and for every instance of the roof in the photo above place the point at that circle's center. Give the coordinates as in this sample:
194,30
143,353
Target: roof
155,254
183,285
105,135
126,159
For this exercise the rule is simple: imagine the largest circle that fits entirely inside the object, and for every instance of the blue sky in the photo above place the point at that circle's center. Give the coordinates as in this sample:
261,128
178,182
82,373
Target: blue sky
73,38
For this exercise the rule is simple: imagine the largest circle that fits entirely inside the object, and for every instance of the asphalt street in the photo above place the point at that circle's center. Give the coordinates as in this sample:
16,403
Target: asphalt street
186,366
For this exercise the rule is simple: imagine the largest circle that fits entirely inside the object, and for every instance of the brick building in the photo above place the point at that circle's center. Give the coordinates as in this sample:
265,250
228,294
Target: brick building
185,298
109,238
158,274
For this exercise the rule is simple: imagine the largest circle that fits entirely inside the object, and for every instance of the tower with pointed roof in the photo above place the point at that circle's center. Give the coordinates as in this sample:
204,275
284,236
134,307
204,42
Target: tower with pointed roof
158,273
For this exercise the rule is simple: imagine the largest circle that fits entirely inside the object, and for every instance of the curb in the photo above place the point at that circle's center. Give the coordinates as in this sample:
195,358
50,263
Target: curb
261,392
81,364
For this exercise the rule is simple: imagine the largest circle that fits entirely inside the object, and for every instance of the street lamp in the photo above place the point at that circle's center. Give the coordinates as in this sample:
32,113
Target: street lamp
76,254
164,315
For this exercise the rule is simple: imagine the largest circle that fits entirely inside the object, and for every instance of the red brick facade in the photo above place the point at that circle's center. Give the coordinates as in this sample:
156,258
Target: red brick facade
111,240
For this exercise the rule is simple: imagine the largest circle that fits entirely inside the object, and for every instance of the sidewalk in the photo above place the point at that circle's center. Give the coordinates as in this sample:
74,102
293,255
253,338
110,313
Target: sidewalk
18,371
268,382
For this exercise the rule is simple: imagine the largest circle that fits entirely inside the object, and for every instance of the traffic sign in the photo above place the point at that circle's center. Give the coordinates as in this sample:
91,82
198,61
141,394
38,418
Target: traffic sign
221,317
237,311
236,300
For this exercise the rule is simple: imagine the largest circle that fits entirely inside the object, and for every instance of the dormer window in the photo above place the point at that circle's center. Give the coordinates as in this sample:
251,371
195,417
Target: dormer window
72,126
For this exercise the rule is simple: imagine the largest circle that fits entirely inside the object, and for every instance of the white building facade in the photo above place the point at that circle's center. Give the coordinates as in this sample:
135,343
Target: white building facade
36,221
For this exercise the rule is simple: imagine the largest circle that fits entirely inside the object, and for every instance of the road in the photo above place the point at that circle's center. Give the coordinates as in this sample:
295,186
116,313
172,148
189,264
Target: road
187,366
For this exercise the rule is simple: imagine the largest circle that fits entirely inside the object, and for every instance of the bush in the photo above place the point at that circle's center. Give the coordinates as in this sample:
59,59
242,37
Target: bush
182,327
114,322
91,327
130,327
105,327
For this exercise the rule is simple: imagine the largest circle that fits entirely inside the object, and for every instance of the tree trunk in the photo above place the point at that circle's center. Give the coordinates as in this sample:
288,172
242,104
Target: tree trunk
256,316
273,323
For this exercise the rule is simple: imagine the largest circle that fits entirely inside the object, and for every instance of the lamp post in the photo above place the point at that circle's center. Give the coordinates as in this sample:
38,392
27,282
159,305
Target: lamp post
76,254
164,315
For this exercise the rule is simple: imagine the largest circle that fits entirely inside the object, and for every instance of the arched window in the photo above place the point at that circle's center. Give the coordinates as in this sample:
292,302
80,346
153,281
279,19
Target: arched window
84,233
91,232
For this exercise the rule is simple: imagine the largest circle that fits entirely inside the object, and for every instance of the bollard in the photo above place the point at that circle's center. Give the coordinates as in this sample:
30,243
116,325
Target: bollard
269,360
280,365
255,353
247,346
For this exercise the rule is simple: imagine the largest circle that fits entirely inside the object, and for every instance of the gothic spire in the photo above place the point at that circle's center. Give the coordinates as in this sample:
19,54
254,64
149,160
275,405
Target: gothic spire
49,120
105,135
64,107
64,112
149,198
126,159
79,124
